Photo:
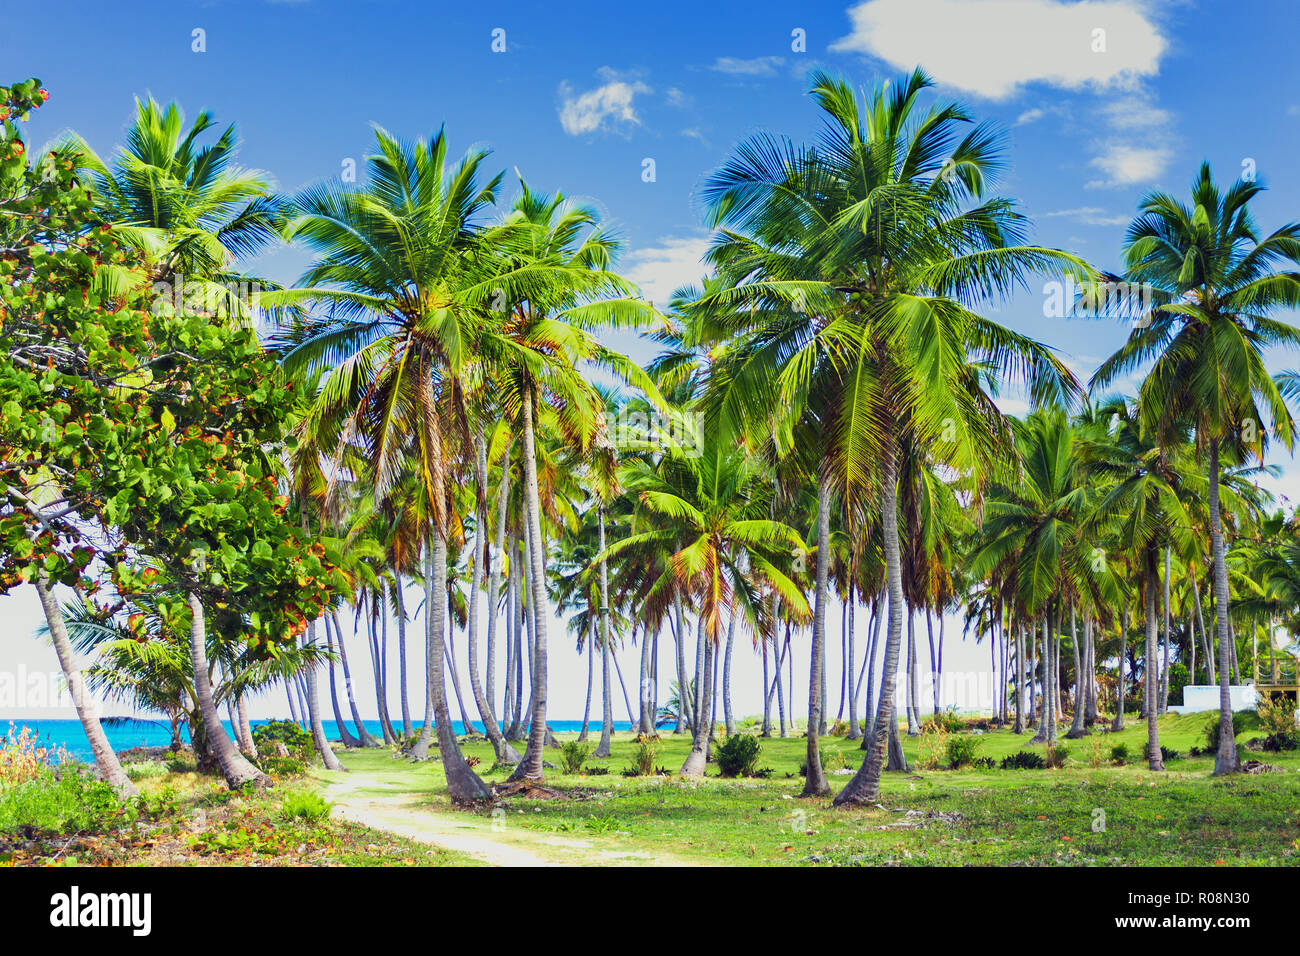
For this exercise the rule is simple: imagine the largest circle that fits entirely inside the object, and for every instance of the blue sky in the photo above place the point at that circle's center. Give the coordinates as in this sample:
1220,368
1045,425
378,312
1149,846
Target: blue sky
580,98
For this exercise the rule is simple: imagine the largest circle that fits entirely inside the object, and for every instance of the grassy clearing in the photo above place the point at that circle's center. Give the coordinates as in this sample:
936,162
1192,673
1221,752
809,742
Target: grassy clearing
930,817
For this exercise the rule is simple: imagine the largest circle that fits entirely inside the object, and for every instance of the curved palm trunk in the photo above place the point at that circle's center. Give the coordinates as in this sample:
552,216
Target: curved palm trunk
1151,675
463,784
815,784
646,723
1078,727
684,718
1225,760
313,710
864,788
107,765
606,703
726,678
495,568
1164,667
1118,722
1019,726
245,728
234,767
366,738
530,767
855,731
401,654
869,704
698,758
780,691
345,735
500,746
589,648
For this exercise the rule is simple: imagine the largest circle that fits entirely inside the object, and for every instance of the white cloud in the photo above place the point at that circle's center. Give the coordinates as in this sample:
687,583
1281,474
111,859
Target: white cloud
693,132
676,97
607,106
758,66
1124,165
661,270
1089,215
1030,116
994,47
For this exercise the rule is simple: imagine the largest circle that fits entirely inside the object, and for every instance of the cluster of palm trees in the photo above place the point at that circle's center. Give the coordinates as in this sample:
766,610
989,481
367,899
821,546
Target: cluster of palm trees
817,428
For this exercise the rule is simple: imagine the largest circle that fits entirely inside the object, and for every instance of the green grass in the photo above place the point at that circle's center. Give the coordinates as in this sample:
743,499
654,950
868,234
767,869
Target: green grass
935,817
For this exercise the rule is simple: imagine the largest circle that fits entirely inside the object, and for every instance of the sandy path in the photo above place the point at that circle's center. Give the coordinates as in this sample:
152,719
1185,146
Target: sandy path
495,842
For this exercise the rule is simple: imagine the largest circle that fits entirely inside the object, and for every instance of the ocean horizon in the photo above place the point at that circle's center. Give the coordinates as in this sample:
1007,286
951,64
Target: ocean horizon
142,732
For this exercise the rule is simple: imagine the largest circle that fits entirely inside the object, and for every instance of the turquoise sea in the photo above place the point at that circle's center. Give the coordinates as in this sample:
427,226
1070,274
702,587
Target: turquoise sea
146,733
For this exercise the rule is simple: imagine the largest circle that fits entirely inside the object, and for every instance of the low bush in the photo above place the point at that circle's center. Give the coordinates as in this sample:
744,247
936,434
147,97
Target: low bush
69,801
962,750
573,753
1277,720
737,756
1057,755
1239,722
311,807
645,752
1119,754
948,721
1024,760
296,740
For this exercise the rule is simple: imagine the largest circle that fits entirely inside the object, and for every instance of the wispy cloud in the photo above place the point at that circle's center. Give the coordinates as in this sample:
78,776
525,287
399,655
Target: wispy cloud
1088,215
609,106
993,48
758,66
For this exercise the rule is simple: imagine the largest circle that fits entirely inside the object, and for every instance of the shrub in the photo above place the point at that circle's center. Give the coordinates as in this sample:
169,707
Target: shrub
948,721
962,750
1057,755
737,756
1277,720
1212,729
839,728
281,766
71,801
1119,754
645,752
1024,760
933,744
295,739
831,760
595,771
983,763
304,806
145,769
573,754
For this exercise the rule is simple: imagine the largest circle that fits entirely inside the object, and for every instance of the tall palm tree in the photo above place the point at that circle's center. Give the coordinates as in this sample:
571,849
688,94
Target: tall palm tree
399,273
712,511
866,250
188,206
1215,286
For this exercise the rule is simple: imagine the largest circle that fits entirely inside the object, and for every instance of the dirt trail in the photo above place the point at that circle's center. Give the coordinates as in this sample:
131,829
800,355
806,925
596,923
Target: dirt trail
496,842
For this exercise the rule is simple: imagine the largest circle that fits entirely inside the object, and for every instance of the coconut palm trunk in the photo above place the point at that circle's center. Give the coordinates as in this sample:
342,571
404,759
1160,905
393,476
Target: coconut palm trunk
1225,760
698,758
1078,727
726,678
1151,672
236,769
684,718
1118,722
855,731
364,735
401,654
864,788
530,767
313,709
815,784
589,650
646,725
345,735
107,765
1164,667
500,746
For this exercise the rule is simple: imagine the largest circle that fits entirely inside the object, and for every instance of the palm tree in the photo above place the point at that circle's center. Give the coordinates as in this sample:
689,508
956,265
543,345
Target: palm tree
866,250
399,270
1214,287
711,510
188,206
